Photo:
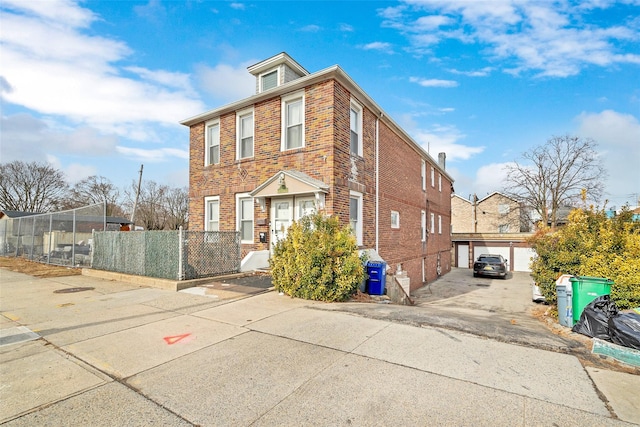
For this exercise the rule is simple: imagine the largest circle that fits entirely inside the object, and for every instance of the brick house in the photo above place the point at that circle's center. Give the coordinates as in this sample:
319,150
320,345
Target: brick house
494,224
309,141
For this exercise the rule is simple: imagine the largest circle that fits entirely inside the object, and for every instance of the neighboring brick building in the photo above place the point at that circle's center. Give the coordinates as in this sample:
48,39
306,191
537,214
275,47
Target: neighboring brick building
494,224
318,141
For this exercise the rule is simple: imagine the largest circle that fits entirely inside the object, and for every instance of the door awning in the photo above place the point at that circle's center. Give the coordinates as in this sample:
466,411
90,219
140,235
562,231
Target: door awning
289,182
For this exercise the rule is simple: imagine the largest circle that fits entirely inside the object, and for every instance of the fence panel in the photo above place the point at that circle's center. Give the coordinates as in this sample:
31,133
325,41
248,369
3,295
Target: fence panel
210,253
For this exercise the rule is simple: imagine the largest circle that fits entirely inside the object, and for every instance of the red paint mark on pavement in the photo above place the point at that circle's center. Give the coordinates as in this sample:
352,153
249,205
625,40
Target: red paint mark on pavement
174,339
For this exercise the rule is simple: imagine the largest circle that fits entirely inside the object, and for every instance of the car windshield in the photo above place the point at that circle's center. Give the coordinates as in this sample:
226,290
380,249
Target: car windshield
490,259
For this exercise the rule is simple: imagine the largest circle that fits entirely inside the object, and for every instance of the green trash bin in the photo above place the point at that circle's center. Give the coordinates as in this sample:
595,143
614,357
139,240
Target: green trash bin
586,289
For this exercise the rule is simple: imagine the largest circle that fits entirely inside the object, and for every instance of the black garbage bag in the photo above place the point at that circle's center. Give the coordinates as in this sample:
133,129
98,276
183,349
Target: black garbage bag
594,320
624,329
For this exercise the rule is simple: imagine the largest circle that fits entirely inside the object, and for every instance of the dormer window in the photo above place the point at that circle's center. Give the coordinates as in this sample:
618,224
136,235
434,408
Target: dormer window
269,80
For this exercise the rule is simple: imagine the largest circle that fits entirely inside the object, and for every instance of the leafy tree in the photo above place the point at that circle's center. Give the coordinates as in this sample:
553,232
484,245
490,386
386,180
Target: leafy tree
555,175
92,190
31,187
591,245
318,260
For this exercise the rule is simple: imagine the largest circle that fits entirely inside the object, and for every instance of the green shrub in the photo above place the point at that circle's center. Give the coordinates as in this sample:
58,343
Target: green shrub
591,245
318,260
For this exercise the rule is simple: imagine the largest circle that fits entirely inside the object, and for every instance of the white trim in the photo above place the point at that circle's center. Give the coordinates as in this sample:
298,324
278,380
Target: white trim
440,182
208,200
239,197
433,177
423,172
432,223
358,230
377,183
285,99
423,226
207,125
239,115
261,75
355,105
395,219
439,224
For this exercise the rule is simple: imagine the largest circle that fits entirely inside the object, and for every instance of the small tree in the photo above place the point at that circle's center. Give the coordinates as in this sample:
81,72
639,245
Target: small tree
95,189
318,260
31,187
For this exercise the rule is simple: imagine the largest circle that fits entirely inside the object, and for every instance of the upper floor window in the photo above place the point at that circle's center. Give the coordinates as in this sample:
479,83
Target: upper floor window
212,141
395,219
503,208
212,213
269,80
423,172
433,223
245,134
355,125
433,177
439,224
423,226
440,182
293,121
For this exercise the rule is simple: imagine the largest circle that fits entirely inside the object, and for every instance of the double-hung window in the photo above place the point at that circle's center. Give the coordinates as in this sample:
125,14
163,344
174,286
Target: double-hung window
212,141
440,182
439,224
244,205
423,172
423,226
355,215
293,121
355,125
245,134
212,213
433,223
433,177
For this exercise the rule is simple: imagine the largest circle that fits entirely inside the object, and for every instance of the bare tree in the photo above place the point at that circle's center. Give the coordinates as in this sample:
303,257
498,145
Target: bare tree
150,211
556,174
177,205
95,189
31,187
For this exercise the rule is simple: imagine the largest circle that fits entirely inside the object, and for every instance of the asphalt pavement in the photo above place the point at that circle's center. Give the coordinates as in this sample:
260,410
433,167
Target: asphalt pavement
81,350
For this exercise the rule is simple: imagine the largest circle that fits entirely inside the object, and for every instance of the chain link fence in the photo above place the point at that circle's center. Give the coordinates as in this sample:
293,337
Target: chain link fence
61,238
174,255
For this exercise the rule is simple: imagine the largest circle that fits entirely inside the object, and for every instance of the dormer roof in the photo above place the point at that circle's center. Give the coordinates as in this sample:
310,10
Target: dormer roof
274,61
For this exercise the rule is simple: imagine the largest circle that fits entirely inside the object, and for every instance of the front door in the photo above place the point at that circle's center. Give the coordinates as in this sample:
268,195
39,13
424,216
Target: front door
281,218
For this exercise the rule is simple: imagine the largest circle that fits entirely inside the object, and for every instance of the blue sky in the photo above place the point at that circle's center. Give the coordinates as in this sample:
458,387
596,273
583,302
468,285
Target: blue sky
99,87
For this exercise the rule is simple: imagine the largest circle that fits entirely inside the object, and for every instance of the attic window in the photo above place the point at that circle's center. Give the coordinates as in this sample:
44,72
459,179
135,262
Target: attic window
269,80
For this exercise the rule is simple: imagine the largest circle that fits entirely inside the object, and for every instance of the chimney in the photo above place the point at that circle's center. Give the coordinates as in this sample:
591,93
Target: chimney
442,160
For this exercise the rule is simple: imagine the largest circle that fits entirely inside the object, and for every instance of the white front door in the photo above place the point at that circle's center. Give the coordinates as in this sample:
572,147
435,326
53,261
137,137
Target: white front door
281,218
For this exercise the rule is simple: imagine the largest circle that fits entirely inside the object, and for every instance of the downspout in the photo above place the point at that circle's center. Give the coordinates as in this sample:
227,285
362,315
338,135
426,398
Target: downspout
377,180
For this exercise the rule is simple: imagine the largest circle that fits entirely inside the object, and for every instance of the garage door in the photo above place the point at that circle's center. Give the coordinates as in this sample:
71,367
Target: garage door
522,258
463,256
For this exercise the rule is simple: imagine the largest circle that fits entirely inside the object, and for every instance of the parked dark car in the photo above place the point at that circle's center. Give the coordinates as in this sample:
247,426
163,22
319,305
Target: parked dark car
490,265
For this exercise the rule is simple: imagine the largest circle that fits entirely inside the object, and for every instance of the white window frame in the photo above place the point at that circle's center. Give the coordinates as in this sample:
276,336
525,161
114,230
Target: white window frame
285,101
503,228
277,71
433,177
423,172
239,116
207,212
357,108
433,223
358,228
504,208
395,219
423,226
440,182
207,151
239,219
439,224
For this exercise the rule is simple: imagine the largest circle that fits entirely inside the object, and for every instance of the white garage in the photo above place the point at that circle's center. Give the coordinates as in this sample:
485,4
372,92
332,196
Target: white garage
522,258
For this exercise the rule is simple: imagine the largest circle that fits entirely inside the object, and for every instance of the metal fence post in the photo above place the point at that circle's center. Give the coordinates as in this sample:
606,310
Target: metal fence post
180,253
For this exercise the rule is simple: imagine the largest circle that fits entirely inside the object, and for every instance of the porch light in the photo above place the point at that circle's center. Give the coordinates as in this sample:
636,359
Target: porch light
260,201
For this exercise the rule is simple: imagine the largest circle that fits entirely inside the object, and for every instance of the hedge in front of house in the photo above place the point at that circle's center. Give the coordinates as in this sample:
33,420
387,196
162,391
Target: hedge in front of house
318,260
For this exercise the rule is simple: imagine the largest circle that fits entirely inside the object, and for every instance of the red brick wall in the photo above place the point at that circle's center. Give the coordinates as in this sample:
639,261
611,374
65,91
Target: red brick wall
326,157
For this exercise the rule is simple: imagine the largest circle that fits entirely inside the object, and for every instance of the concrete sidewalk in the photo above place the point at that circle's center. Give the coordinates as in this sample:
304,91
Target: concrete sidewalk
119,354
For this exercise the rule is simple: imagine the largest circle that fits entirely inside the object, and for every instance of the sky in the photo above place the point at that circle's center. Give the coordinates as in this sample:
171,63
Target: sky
99,87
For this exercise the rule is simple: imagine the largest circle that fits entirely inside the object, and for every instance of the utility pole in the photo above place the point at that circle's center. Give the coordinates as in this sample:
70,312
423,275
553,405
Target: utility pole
475,213
135,203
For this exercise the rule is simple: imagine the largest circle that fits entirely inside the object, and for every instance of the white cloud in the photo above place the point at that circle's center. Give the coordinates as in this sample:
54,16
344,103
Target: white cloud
226,83
311,28
153,155
438,139
380,46
618,137
551,38
433,82
53,67
477,73
490,178
237,6
346,28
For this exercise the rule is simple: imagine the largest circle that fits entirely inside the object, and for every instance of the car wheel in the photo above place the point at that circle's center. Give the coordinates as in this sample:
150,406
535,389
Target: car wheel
475,274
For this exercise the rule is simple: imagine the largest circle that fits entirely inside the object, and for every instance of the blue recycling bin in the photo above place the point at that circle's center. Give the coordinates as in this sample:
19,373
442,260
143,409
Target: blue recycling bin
377,272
